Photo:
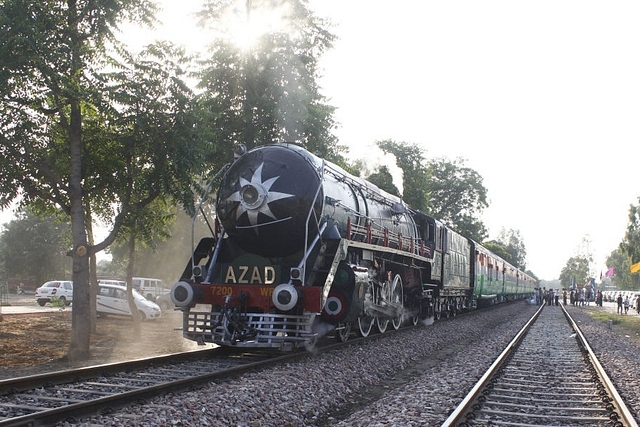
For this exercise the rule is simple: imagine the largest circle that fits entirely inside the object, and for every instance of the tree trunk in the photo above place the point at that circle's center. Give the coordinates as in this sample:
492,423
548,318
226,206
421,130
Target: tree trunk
93,279
79,347
135,314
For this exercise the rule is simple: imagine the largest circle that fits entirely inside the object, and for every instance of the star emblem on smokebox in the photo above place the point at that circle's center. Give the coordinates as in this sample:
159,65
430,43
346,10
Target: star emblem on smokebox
255,196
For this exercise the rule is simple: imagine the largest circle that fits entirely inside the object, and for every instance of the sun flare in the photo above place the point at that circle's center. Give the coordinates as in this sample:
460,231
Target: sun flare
252,20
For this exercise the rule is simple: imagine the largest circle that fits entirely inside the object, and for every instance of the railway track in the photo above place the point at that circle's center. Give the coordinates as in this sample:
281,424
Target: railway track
67,396
45,399
547,376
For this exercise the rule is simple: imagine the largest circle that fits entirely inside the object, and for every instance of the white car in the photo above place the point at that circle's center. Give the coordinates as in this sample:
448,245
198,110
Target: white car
62,289
112,299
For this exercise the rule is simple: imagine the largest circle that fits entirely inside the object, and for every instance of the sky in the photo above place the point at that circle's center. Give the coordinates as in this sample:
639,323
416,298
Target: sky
541,98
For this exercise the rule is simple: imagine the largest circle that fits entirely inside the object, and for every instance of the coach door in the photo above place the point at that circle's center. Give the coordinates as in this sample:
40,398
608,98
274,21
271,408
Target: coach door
446,257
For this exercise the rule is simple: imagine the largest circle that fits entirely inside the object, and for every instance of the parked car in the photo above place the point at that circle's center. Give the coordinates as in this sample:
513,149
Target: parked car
150,288
112,299
112,282
62,289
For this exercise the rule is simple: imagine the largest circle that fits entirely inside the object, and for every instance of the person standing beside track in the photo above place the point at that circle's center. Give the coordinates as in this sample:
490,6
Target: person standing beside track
619,301
626,304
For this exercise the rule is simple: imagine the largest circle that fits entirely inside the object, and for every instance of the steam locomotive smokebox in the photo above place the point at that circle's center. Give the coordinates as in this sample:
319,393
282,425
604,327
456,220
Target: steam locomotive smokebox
265,198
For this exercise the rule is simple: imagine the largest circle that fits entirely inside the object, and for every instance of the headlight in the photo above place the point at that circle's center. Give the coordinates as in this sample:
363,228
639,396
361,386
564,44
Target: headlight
182,294
285,297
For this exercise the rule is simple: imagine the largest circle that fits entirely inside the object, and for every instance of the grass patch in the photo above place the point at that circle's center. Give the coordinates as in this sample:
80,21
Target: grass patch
629,323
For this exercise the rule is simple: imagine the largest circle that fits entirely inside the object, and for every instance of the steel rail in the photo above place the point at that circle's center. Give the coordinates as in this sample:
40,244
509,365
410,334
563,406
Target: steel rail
13,385
106,404
497,364
500,380
622,408
73,409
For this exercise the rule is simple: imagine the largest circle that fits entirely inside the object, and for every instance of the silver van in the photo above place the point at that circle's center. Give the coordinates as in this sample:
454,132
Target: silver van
148,287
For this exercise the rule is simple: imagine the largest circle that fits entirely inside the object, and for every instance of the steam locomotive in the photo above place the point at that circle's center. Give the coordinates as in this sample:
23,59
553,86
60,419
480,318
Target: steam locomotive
301,247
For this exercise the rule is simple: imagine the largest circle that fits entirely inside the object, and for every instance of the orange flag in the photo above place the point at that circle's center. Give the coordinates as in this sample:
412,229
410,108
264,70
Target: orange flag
635,268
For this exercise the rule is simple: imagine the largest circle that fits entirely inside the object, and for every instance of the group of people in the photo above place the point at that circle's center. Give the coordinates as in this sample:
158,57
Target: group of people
583,296
577,296
625,303
549,296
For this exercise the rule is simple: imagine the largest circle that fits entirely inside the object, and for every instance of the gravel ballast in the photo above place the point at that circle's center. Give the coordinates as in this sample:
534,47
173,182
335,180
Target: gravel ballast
415,378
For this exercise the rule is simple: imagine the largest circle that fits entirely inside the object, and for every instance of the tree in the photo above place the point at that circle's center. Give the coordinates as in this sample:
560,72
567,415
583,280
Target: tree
259,83
160,150
631,243
457,196
86,127
510,249
415,176
447,190
628,253
140,230
164,257
515,247
34,249
622,278
575,271
383,179
499,249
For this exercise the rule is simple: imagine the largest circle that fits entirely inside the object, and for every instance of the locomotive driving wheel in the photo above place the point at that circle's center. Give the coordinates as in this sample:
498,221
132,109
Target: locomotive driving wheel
397,297
415,319
382,294
343,330
365,324
365,321
438,310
